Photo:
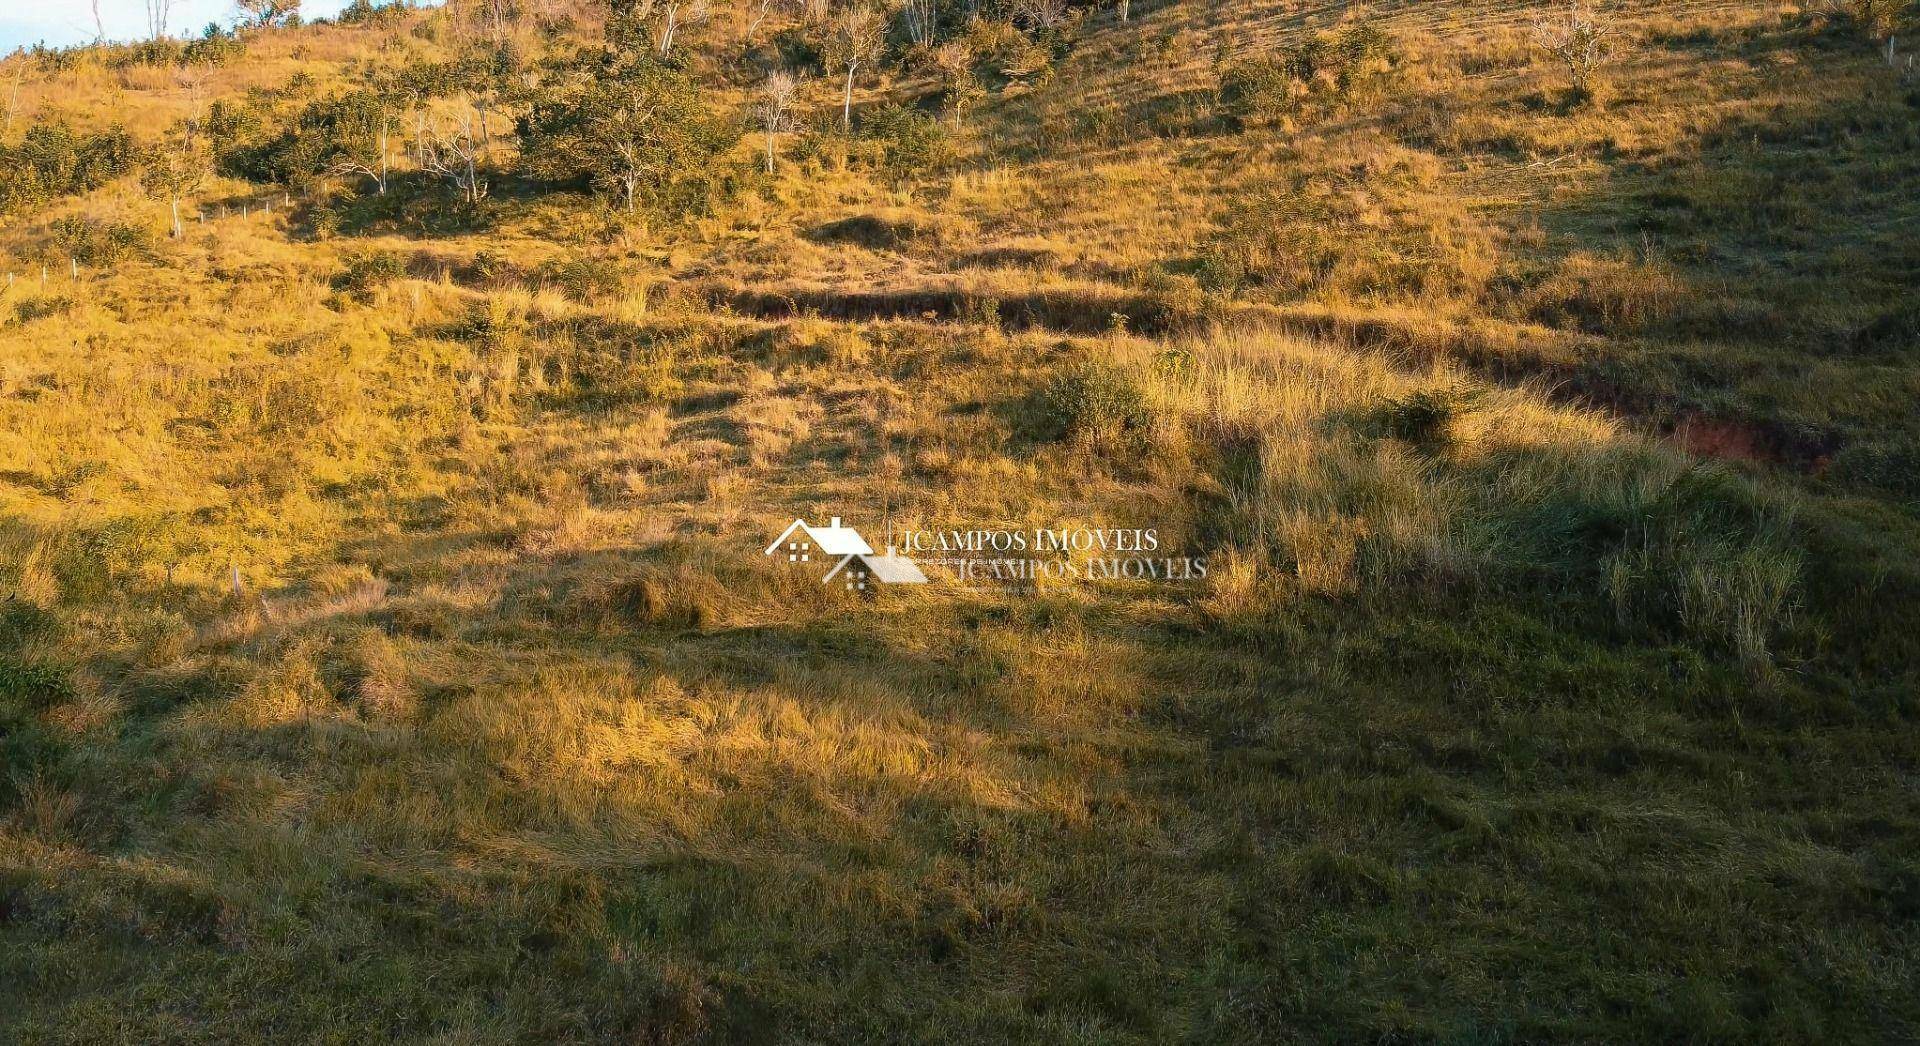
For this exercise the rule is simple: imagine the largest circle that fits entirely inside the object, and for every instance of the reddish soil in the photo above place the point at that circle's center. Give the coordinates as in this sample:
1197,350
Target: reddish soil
1730,439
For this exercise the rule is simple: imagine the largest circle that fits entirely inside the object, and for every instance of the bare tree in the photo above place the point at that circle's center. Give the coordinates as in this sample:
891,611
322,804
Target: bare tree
759,10
99,27
954,62
452,154
774,110
1042,15
855,42
158,11
497,14
13,95
1580,42
921,19
676,15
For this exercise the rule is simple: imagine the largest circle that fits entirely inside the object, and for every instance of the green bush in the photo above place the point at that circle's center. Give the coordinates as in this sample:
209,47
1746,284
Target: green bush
1256,90
1097,403
306,148
909,141
636,129
1878,19
367,271
158,52
1328,66
31,685
52,159
97,241
29,309
364,12
582,279
214,48
1426,418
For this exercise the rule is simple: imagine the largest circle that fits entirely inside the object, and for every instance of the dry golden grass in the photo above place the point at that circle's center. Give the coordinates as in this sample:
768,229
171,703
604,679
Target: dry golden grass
393,658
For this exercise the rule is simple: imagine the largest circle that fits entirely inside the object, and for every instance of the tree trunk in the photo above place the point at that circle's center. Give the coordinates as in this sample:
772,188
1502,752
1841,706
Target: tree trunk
173,205
846,106
769,150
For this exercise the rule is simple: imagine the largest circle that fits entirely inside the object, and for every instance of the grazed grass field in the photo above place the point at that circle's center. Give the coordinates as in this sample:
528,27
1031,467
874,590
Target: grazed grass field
387,652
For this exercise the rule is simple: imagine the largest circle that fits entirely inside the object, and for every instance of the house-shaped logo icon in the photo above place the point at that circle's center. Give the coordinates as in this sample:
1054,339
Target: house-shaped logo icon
854,561
857,571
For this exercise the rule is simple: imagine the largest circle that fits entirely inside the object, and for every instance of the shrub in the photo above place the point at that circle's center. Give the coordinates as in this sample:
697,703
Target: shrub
98,562
367,271
1876,18
1331,66
1256,90
327,136
909,141
52,159
1427,418
58,59
582,279
29,309
489,269
214,48
98,241
158,52
1096,403
364,12
26,684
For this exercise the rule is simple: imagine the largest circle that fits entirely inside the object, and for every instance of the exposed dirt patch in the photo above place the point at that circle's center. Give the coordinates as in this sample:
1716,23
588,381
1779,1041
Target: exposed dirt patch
1697,431
1707,437
1075,312
1734,439
1507,361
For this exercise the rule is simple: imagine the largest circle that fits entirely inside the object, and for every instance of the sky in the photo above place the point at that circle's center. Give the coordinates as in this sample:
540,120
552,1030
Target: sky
59,23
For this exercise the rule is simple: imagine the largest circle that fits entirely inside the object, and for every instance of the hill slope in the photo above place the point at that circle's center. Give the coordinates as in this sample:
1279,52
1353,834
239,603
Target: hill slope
389,651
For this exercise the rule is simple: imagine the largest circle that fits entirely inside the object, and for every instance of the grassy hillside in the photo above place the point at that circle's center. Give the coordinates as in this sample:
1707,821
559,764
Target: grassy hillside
387,651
